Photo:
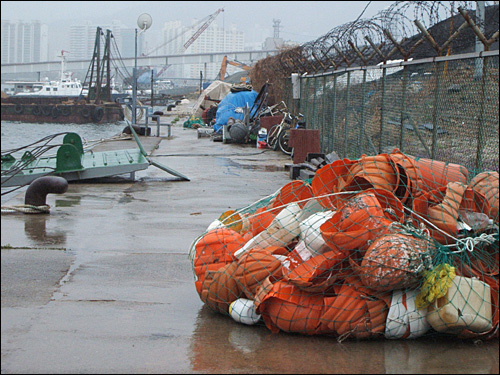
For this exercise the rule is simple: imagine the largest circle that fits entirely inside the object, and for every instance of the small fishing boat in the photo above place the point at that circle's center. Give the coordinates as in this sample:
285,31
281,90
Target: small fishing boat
65,86
66,100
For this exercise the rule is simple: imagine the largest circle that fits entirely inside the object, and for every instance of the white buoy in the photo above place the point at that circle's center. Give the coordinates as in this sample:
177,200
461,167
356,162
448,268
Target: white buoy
282,230
243,311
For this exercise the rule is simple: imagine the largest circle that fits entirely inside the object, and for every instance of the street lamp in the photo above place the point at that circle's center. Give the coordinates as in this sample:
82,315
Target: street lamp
144,22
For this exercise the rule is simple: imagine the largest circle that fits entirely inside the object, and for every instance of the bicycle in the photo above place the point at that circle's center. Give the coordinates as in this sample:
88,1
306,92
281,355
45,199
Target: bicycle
279,134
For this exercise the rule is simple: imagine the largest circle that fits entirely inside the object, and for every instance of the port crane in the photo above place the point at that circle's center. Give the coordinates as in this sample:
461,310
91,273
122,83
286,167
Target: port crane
190,41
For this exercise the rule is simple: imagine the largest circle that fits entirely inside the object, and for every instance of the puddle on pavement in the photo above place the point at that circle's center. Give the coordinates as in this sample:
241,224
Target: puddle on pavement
258,349
264,168
35,228
68,201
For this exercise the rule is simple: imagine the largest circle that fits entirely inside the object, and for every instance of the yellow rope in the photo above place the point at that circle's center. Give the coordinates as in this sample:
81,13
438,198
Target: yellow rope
436,284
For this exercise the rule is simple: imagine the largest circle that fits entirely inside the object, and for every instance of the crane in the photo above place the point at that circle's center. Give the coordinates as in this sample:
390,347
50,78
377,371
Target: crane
223,67
190,41
200,30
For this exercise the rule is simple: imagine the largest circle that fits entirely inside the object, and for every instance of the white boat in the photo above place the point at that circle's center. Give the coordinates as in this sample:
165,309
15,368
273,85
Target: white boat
66,86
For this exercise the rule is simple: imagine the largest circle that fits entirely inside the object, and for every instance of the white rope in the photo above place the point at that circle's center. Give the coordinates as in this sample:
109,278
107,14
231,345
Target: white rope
26,209
468,244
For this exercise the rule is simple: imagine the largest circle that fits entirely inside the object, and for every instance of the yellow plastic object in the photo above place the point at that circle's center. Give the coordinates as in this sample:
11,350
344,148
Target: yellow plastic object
436,284
232,220
466,305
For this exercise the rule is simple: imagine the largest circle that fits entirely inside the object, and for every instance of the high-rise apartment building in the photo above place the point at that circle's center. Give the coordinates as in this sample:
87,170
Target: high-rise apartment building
212,39
24,42
83,36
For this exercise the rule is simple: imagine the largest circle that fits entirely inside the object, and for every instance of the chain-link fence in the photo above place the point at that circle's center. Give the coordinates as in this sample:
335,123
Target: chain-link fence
421,76
439,108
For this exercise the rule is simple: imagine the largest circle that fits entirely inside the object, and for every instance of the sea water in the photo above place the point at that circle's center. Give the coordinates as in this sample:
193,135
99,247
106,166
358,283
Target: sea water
17,134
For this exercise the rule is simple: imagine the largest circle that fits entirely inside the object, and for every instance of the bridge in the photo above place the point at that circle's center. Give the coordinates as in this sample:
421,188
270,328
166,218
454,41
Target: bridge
23,70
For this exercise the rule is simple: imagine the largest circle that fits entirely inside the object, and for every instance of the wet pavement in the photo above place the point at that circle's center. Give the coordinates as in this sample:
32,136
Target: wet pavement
103,283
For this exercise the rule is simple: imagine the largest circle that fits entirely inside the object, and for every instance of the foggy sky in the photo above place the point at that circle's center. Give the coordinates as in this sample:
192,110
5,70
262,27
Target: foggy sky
301,21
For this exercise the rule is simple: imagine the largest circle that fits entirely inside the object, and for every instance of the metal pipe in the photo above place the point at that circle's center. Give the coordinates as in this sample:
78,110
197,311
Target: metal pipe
134,84
39,188
382,111
346,123
435,111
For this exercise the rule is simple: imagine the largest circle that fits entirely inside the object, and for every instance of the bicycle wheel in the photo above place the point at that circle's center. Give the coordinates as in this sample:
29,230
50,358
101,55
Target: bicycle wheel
272,137
283,142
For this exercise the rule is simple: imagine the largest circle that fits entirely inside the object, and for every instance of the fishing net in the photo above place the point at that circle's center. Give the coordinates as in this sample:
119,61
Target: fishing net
388,246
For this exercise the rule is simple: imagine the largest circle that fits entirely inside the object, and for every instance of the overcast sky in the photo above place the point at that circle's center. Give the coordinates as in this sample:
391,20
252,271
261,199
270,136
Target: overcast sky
301,21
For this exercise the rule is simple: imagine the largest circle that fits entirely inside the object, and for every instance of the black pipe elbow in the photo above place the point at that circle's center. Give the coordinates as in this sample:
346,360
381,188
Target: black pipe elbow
39,188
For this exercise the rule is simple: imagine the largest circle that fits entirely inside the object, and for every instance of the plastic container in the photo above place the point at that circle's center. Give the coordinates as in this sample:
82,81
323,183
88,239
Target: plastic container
282,230
405,320
466,305
262,138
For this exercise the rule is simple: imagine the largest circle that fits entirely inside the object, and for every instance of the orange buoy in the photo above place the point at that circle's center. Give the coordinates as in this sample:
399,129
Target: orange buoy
394,261
214,250
487,184
289,309
355,310
254,266
295,191
220,288
440,208
330,179
364,217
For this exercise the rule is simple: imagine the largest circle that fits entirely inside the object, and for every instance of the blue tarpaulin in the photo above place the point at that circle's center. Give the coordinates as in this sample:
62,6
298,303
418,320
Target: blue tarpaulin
227,107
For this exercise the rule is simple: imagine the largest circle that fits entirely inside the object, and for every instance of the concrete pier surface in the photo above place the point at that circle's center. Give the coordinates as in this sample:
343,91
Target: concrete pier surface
103,283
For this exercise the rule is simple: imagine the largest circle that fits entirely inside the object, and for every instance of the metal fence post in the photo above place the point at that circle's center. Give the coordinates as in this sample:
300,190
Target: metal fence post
315,109
362,123
382,111
334,110
403,107
435,111
346,123
480,128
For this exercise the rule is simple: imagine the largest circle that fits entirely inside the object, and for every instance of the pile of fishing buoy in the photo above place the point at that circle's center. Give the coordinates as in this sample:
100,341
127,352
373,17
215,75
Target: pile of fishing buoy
388,246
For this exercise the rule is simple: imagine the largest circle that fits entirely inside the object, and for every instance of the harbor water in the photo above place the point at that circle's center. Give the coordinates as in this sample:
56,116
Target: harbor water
17,134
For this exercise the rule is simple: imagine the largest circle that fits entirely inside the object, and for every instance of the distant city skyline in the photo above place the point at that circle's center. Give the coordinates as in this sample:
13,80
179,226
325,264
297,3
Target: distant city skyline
255,23
302,22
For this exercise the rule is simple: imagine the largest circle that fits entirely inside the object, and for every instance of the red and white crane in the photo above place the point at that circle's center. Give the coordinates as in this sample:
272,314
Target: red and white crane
190,41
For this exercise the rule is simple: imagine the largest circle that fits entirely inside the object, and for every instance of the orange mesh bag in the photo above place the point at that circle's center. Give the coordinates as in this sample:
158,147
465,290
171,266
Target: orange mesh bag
316,274
394,261
487,184
364,217
256,265
442,207
427,174
261,220
295,191
214,250
285,307
355,311
332,178
220,288
377,172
